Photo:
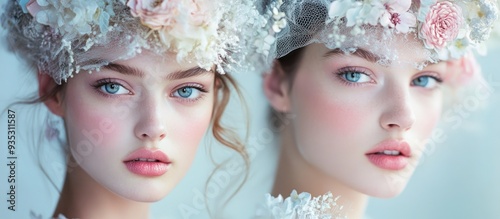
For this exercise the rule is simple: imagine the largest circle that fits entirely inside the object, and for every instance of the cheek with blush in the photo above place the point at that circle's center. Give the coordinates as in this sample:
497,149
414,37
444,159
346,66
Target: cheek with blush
92,134
320,106
188,126
427,123
188,131
94,118
428,112
328,122
425,133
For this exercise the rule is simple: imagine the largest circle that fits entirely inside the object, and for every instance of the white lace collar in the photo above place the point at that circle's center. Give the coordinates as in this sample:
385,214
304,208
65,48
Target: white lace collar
298,206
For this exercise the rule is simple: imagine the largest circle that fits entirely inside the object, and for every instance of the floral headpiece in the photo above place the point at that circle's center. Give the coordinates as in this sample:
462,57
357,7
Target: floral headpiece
63,37
445,29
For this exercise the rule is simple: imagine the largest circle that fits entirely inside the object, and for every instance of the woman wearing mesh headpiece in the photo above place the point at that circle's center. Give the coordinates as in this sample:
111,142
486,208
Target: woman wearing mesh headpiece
358,87
137,84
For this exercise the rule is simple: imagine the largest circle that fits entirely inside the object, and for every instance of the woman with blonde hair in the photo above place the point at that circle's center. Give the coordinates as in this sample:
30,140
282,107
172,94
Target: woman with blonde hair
137,84
359,87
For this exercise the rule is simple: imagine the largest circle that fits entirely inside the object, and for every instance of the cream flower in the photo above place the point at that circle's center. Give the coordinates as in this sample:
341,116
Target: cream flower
72,19
154,13
486,15
191,31
181,25
459,47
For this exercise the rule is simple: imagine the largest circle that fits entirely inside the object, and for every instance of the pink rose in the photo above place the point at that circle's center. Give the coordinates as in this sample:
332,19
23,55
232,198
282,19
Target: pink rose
154,13
441,25
33,7
463,71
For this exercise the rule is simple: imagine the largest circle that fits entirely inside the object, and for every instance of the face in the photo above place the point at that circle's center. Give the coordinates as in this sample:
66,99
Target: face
135,125
360,123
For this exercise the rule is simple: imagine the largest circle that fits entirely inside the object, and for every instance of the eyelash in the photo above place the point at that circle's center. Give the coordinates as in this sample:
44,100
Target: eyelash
434,76
99,83
431,75
350,69
341,72
198,87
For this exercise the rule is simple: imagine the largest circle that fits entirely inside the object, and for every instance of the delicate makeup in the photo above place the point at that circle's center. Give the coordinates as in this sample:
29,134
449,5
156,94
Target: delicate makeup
159,110
346,105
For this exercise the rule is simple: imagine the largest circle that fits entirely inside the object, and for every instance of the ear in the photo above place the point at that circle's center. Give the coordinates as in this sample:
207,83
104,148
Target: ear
52,100
276,88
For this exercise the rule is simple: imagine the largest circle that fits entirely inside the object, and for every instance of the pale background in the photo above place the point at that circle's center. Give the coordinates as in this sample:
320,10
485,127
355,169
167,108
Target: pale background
460,179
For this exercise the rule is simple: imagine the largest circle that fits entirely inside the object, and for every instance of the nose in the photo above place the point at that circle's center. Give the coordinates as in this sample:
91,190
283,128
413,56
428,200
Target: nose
398,114
151,125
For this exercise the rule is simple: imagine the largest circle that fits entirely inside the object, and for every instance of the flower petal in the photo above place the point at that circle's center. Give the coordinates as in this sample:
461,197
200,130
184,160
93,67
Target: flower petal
351,16
339,8
399,6
385,19
408,19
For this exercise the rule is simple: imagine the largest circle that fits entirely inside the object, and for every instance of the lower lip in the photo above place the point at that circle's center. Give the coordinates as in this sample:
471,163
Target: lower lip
388,162
144,168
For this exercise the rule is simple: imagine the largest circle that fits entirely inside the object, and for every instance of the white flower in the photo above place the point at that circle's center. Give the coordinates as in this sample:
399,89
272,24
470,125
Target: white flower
397,16
264,42
459,47
481,20
339,8
357,14
391,14
73,19
279,20
301,206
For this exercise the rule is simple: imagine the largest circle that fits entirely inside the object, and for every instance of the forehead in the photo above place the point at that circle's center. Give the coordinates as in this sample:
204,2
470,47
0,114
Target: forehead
152,60
146,59
390,48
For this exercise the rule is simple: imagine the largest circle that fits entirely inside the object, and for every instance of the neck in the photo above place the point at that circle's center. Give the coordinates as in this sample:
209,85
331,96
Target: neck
82,197
296,173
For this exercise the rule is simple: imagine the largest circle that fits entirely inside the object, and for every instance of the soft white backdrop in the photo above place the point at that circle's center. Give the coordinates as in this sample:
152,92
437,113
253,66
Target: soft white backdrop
458,180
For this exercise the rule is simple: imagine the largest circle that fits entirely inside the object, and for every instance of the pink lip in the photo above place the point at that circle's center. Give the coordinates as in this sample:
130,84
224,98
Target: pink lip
390,162
157,163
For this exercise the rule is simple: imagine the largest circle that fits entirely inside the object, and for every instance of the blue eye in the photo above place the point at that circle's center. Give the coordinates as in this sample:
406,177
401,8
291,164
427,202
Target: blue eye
113,88
355,77
187,92
425,81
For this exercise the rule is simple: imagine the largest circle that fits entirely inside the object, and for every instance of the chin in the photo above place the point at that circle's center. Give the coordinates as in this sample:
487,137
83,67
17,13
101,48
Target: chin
389,189
150,199
145,192
147,197
386,193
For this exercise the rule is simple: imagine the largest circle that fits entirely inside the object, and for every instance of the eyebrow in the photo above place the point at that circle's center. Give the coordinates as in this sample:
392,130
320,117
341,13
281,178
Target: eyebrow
358,52
127,70
123,69
187,73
